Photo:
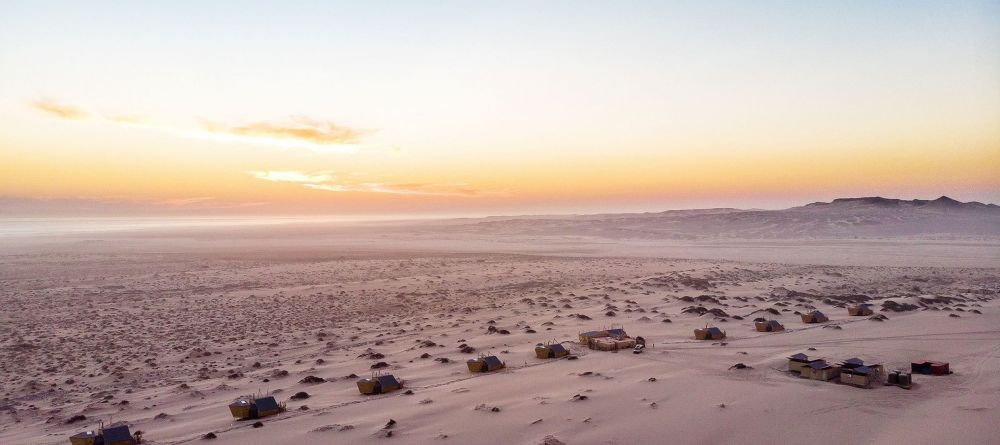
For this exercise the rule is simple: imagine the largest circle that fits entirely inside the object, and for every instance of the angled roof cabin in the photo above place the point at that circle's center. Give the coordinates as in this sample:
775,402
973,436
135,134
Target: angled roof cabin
115,434
855,372
797,362
820,370
929,367
379,384
814,317
485,364
860,310
550,350
768,326
586,337
607,340
253,407
709,333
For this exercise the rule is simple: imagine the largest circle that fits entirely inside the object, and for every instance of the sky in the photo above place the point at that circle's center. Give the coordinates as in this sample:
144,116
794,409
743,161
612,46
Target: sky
469,108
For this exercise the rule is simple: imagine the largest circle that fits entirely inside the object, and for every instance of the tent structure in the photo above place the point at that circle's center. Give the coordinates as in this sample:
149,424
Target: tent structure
485,364
709,333
860,310
768,326
930,367
115,434
797,362
550,350
379,384
253,407
814,317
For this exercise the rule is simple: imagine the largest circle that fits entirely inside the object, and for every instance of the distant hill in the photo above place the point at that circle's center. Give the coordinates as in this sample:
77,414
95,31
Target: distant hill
871,217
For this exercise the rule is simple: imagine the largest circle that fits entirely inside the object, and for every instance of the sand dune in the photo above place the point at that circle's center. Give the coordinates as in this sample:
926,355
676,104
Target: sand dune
163,328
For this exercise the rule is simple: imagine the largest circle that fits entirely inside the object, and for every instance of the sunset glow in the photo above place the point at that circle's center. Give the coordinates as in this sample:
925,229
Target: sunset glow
470,108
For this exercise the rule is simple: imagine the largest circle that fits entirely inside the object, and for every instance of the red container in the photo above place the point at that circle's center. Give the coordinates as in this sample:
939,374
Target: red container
938,368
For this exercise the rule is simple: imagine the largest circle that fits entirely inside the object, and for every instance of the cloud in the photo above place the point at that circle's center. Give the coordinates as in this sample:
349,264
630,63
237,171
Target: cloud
290,176
297,129
59,110
297,132
327,182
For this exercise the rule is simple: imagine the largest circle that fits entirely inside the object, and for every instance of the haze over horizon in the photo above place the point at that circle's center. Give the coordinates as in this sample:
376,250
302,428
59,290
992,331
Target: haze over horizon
465,109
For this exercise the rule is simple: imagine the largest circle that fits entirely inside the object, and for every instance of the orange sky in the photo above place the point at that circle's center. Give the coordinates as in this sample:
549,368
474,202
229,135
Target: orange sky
478,110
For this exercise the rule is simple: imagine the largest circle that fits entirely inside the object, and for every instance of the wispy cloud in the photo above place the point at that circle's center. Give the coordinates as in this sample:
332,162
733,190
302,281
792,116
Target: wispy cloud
291,176
60,110
297,129
296,132
327,182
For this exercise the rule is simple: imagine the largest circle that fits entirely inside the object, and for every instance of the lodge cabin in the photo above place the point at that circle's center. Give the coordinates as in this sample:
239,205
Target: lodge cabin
550,350
820,370
709,333
855,372
252,407
607,340
814,317
860,310
797,362
768,326
115,434
485,364
379,384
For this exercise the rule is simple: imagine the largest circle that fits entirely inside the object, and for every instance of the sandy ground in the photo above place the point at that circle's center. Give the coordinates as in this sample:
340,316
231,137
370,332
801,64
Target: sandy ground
163,328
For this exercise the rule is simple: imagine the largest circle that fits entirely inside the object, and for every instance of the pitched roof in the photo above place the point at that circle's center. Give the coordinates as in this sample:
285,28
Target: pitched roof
799,356
492,361
819,364
387,380
557,347
266,403
714,330
116,433
854,361
616,332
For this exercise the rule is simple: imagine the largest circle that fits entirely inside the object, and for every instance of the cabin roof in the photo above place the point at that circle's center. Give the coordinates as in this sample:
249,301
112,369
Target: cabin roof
266,403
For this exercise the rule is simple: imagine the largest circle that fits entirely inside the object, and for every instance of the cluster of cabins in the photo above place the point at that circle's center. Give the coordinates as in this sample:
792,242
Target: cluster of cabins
853,371
608,340
856,372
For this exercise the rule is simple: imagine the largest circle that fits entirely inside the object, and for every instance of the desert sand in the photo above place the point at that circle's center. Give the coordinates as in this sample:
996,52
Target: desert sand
163,327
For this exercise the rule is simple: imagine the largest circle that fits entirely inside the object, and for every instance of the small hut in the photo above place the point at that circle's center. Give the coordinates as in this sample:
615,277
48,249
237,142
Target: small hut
252,407
115,434
379,384
797,362
768,326
485,364
709,333
860,310
814,317
550,350
820,370
929,367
